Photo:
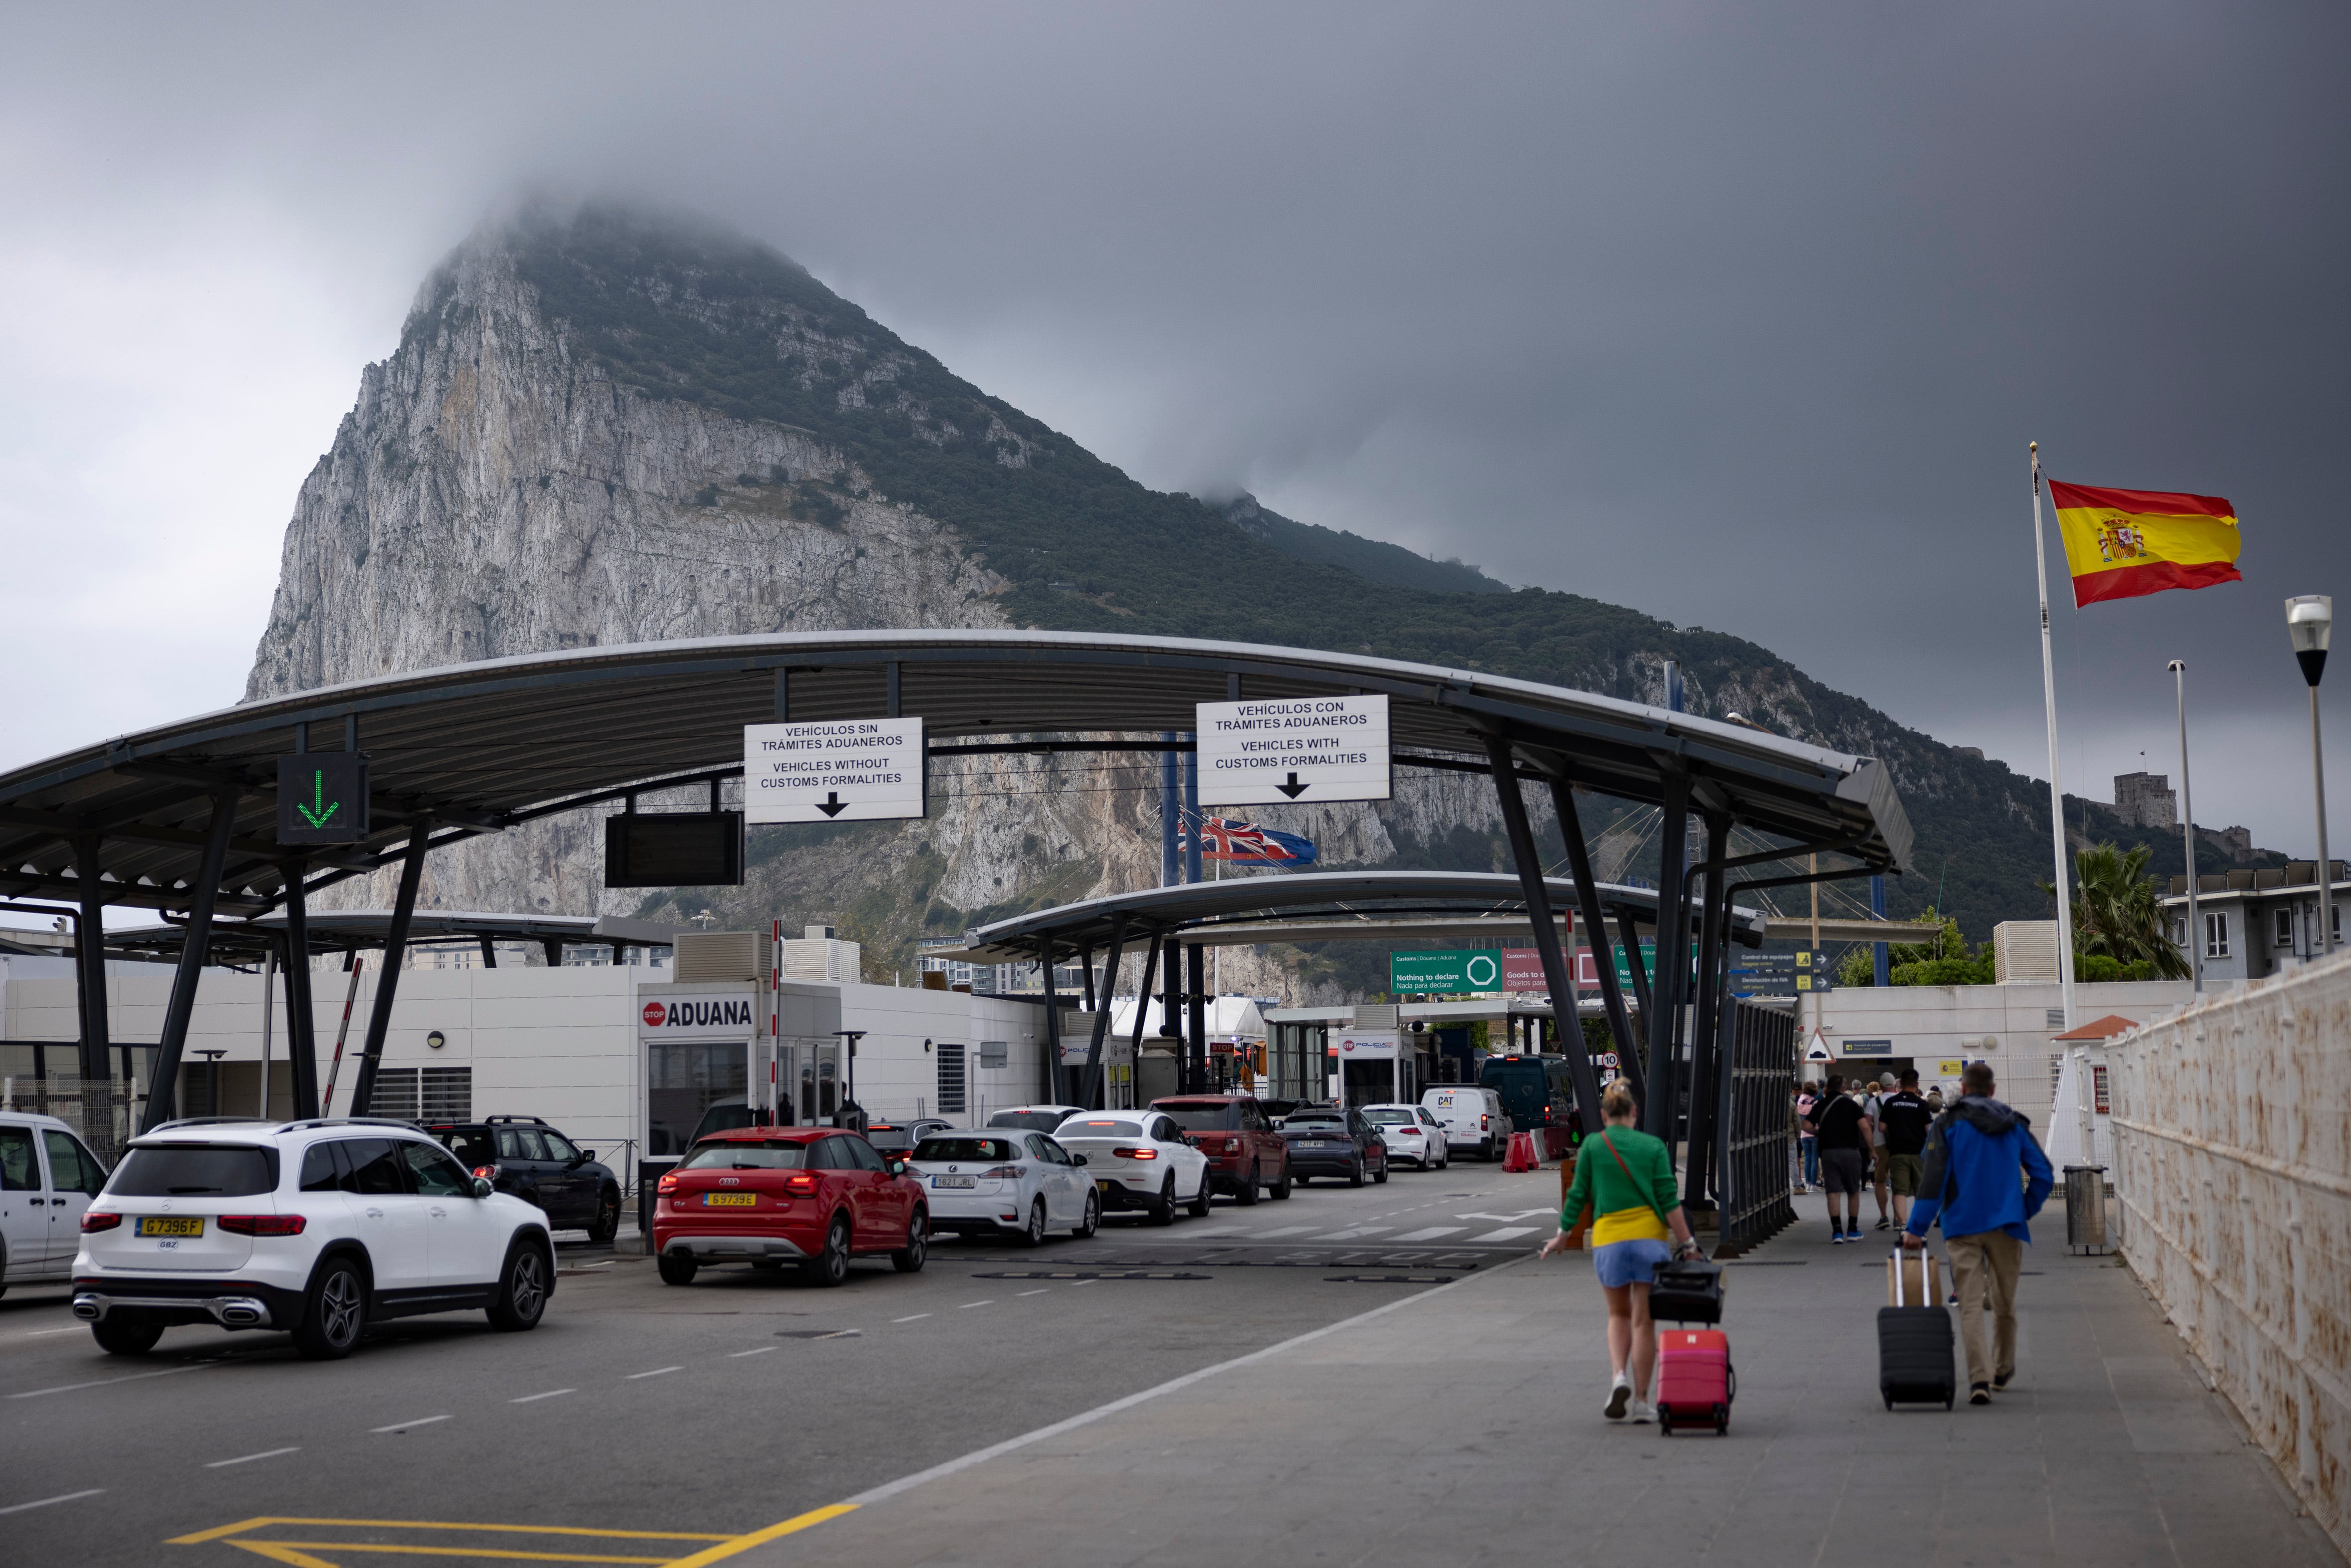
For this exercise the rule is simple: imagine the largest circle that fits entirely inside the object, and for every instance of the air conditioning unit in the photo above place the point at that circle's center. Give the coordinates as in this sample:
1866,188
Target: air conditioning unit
708,956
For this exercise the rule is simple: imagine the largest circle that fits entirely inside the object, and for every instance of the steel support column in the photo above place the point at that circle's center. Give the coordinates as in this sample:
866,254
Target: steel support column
1628,934
1170,1002
1052,1073
89,960
1142,1011
1658,1113
163,1093
301,1023
1595,932
1101,1014
395,950
1546,928
1198,1032
1702,1113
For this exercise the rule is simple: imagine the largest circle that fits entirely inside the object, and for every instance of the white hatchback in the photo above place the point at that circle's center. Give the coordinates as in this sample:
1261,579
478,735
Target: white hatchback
1139,1159
1410,1133
1008,1180
317,1227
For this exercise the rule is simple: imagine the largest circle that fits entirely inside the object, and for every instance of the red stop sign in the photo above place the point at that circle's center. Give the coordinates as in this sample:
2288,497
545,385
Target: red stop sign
655,1013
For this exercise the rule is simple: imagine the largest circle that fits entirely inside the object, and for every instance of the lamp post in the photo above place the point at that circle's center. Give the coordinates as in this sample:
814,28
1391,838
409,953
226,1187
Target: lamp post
2178,668
2309,617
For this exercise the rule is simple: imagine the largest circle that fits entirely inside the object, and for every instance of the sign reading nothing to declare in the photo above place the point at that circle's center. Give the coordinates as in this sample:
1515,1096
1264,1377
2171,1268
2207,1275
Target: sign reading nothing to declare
1305,750
834,771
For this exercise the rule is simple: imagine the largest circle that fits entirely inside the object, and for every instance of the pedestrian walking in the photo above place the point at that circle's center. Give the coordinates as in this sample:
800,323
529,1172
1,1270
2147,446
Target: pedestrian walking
1807,1142
1628,1182
1873,1107
1904,1119
1984,1176
1845,1135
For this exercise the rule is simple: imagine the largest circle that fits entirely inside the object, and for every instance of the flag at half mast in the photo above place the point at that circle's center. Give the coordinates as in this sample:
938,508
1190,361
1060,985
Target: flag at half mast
2120,544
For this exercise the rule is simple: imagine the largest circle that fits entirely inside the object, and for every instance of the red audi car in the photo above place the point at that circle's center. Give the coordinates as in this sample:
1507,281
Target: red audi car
813,1197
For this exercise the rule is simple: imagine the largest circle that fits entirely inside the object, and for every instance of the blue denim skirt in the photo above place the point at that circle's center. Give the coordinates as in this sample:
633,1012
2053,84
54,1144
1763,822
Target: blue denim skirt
1632,1262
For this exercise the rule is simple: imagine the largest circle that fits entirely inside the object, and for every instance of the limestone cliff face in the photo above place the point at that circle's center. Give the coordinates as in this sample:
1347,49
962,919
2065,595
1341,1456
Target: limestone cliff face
494,491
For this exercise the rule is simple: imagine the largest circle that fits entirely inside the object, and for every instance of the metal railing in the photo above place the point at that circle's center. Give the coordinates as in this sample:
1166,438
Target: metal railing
1762,1080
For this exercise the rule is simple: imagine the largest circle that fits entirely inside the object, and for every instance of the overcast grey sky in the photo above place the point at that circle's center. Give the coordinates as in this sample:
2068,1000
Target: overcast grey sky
1739,317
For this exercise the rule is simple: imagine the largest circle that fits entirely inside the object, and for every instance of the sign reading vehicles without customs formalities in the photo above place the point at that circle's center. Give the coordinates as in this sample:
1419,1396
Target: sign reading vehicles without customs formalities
1306,749
836,770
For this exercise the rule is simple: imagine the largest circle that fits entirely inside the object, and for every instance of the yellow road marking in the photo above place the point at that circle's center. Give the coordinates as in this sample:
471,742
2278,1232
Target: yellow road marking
265,1547
726,1549
277,1553
243,1525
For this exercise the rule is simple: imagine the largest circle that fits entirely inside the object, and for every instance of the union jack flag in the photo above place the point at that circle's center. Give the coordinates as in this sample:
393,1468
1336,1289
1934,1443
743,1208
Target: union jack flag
1222,839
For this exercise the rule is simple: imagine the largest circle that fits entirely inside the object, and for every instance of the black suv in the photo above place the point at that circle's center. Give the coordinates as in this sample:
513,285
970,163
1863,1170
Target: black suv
524,1156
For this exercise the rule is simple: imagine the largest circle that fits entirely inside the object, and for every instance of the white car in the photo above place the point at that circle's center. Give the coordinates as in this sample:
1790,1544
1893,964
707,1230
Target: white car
47,1176
1036,1118
1005,1180
313,1227
1473,1118
1139,1159
1410,1133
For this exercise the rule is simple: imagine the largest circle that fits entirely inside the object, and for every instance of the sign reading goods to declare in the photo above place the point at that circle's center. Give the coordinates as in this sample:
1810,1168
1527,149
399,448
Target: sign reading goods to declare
834,771
1293,748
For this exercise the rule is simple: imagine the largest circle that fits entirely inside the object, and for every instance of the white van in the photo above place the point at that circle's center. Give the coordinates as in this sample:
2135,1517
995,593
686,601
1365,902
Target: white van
47,1176
1473,1117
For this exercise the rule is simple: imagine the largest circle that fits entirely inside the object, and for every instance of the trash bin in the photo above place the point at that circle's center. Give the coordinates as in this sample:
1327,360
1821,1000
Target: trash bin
2086,1208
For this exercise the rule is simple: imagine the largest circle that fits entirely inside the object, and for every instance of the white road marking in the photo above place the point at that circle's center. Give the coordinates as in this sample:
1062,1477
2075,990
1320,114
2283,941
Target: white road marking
1431,1234
1351,1235
1265,1235
107,1382
1085,1283
1505,1233
657,1372
738,1354
1196,1231
1086,1418
405,1426
535,1398
900,1320
968,1305
1036,1293
70,1328
1522,1214
248,1459
44,1502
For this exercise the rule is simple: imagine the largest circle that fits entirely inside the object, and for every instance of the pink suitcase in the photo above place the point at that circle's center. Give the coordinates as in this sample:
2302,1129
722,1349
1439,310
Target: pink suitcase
1694,1381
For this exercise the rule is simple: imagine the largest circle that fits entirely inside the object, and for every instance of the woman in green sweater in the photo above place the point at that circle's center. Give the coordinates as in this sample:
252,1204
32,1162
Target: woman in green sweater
1628,1179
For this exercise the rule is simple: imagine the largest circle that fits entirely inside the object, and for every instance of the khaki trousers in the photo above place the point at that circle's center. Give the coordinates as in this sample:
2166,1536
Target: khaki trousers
1983,1269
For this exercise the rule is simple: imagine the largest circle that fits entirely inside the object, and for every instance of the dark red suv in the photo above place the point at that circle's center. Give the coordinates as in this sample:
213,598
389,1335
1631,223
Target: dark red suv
816,1197
1244,1151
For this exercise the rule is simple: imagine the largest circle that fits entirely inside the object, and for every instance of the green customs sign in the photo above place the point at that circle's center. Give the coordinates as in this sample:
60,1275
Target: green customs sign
1443,973
322,798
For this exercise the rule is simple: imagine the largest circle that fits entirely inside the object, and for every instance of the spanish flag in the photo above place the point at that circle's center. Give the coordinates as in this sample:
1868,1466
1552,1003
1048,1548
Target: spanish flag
2120,544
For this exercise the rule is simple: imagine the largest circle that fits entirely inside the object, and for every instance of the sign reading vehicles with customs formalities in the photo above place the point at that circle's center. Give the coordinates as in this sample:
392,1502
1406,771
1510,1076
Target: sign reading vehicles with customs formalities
1306,749
833,771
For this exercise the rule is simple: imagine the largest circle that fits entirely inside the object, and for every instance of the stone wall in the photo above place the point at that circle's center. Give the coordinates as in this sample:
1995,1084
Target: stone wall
2232,1133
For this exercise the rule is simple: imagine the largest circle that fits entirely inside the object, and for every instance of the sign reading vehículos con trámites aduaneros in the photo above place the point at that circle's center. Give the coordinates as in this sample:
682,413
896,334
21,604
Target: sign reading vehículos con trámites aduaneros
834,771
700,1015
1279,749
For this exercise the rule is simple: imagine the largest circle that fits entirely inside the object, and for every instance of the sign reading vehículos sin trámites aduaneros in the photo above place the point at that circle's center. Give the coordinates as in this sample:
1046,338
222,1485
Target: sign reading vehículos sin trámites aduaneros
1279,749
698,1015
834,771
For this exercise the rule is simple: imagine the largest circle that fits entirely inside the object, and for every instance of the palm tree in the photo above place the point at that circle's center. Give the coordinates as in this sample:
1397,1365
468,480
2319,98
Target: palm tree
2114,910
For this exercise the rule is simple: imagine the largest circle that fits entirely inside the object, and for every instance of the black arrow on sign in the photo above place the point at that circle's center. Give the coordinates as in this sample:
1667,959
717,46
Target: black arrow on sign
1294,789
832,805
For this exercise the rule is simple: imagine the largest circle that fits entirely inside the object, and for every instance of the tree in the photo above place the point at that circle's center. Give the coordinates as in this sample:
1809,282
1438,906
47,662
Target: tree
2116,914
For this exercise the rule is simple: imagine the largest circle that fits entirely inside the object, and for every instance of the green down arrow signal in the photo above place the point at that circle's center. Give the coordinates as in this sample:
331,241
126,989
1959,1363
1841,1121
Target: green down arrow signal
318,818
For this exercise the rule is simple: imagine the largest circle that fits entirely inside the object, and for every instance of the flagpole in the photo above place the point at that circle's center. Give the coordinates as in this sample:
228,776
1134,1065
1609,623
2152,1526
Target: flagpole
2187,833
2056,788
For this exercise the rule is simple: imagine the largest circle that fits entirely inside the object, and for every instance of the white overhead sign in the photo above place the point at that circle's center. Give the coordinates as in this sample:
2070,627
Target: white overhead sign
1369,1045
1293,748
838,770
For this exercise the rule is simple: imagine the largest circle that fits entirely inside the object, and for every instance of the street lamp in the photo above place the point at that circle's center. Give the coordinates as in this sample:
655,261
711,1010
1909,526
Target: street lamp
2309,617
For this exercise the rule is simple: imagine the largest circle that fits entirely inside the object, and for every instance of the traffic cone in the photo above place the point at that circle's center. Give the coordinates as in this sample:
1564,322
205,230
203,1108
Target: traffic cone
1521,1156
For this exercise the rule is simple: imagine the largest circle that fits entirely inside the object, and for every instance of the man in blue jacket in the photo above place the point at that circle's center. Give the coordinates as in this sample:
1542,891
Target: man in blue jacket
1984,1173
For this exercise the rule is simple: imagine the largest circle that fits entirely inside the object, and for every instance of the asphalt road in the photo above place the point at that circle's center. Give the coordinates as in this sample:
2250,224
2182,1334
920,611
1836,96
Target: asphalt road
694,1414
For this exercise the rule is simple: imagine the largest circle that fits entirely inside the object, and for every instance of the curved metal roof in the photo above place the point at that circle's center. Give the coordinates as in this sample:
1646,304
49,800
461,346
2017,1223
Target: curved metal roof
481,747
1378,901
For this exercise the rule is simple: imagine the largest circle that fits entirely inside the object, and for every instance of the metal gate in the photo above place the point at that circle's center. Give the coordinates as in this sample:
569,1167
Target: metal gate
1760,1085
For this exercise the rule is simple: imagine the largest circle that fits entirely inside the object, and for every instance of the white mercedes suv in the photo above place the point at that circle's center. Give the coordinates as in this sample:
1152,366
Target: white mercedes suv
317,1227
